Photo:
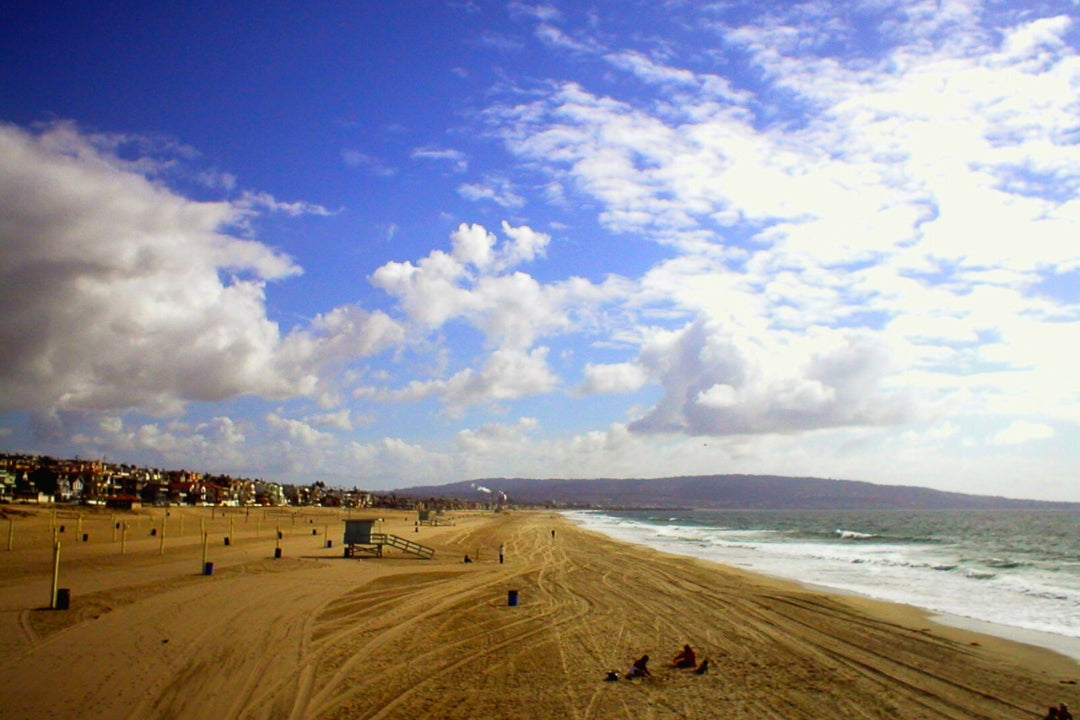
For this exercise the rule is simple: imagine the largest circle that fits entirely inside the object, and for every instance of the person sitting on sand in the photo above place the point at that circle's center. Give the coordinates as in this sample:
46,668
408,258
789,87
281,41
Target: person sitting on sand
703,668
640,668
1051,714
1063,712
685,659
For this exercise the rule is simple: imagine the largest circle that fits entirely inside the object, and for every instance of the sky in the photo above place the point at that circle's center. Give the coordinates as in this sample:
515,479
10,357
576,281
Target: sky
387,244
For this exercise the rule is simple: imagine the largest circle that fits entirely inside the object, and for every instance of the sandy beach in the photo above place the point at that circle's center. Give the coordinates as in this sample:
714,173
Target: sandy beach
315,635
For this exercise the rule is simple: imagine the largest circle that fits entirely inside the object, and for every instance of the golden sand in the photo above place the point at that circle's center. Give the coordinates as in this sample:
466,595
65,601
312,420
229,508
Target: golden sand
313,635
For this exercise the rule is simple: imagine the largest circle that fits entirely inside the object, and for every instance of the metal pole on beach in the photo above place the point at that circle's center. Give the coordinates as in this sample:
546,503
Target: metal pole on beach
204,538
161,543
55,575
10,533
123,539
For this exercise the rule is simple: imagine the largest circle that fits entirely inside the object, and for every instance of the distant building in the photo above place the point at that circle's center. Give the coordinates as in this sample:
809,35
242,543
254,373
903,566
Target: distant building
123,502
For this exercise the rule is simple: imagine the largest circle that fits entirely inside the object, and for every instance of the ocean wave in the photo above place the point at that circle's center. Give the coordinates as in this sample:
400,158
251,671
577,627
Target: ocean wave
1003,564
928,560
853,535
979,574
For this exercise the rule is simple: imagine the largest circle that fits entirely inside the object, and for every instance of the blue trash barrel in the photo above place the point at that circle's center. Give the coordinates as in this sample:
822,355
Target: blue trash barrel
63,598
512,598
208,569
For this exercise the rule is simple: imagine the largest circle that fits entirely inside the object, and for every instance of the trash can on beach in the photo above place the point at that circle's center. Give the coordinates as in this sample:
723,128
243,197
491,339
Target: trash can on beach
63,598
512,598
208,569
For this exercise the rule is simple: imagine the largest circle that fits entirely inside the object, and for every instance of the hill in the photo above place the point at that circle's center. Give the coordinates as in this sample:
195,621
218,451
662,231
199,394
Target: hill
735,492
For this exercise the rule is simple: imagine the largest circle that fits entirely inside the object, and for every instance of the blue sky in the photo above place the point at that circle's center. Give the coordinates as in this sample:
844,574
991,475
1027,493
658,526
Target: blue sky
385,244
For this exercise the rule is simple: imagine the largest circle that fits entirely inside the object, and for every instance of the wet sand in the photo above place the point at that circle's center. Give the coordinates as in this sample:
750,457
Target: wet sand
315,635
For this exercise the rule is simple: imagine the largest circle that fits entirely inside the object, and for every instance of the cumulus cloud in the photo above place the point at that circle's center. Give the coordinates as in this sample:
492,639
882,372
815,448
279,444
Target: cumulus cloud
475,283
506,375
907,214
718,382
388,460
120,293
613,378
216,442
298,430
495,437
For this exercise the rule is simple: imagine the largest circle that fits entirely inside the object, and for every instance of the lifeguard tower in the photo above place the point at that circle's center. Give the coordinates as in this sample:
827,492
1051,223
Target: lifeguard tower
360,538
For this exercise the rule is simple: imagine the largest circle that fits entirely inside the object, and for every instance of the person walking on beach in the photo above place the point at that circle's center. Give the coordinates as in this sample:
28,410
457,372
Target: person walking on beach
686,659
640,668
502,548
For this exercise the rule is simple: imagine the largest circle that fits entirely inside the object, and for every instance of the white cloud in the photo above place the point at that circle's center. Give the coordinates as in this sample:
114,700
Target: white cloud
214,443
342,420
719,396
123,294
498,190
390,460
473,283
255,201
506,375
298,431
613,378
455,158
495,438
1022,431
906,215
720,382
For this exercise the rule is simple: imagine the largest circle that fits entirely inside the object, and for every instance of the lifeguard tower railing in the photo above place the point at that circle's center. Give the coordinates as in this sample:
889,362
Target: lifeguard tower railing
359,538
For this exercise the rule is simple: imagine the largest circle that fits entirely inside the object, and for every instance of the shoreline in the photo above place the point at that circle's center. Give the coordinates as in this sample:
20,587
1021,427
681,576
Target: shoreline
1063,645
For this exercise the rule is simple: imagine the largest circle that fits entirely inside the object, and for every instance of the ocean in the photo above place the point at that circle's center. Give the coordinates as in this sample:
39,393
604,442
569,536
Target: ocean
1015,574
